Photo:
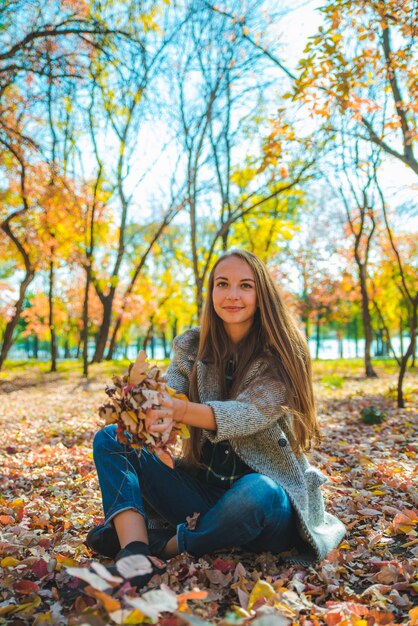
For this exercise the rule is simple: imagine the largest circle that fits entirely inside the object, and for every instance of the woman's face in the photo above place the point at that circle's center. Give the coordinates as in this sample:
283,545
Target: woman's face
234,296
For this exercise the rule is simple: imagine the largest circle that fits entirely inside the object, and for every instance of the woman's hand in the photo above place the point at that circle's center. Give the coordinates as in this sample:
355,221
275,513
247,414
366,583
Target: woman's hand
161,419
177,410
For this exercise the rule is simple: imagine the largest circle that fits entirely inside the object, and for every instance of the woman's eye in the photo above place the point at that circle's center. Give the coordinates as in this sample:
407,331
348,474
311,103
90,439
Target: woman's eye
246,285
222,283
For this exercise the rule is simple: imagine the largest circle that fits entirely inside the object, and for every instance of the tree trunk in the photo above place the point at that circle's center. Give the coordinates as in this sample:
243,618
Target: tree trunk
112,344
356,337
35,346
12,323
401,335
52,333
225,236
199,297
66,349
409,353
318,336
85,329
367,324
148,336
379,343
104,329
166,351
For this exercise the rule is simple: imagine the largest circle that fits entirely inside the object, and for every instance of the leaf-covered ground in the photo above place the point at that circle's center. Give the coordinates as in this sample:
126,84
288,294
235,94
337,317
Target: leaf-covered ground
50,499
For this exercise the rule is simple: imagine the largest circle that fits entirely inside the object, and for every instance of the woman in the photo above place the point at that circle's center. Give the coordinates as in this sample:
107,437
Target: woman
243,479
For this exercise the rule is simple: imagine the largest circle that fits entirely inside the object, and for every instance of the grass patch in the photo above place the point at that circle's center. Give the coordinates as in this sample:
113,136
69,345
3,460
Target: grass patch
332,381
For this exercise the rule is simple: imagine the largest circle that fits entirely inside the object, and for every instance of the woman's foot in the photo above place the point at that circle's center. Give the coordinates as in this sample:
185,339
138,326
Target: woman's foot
103,540
135,564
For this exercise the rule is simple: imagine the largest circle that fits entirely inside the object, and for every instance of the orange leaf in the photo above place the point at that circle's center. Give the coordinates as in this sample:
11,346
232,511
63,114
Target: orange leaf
6,519
138,371
190,595
109,603
413,614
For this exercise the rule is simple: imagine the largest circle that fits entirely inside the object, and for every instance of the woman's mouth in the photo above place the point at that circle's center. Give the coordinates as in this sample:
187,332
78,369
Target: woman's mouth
233,308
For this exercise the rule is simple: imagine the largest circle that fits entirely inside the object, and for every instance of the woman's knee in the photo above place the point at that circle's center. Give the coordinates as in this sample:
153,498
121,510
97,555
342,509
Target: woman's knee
259,491
105,440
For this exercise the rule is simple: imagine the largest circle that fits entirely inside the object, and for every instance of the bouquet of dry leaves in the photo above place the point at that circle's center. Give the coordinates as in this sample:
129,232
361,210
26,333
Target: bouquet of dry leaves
129,397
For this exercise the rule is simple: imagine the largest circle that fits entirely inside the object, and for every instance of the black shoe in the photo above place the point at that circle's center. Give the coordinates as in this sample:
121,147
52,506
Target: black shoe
103,540
136,565
133,564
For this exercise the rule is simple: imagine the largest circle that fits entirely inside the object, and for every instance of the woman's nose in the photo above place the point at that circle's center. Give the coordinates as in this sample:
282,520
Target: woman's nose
233,294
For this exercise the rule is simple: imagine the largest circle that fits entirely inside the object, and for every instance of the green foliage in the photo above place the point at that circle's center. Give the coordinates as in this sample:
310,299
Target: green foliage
371,415
332,381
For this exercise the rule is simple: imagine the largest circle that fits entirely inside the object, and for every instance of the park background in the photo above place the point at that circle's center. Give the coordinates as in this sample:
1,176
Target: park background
138,141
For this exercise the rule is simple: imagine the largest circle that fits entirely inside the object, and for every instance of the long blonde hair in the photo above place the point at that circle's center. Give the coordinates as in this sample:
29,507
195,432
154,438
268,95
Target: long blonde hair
274,334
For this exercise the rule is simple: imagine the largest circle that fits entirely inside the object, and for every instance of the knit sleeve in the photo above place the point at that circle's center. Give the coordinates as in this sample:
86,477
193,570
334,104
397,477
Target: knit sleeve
176,378
181,365
256,407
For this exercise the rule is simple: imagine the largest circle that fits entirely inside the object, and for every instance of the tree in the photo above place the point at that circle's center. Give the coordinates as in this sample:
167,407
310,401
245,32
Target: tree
12,225
359,195
362,65
405,255
44,61
218,92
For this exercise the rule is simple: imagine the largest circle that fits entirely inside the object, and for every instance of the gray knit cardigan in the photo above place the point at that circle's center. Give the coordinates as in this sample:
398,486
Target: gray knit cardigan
257,427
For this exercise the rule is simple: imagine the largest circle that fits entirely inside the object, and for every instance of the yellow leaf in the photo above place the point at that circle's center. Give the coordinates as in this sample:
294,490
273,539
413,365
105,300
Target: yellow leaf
239,611
181,396
17,503
344,546
27,607
132,415
136,617
261,589
183,430
43,619
9,608
65,560
413,614
9,561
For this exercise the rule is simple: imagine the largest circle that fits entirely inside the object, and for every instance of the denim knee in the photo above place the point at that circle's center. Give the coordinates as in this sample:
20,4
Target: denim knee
261,492
105,440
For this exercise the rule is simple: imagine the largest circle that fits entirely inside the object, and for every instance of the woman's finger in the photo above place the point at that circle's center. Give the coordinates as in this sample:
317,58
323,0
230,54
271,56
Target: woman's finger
166,400
159,427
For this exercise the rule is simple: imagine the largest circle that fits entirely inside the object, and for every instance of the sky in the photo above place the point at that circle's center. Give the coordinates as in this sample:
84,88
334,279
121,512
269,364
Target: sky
298,23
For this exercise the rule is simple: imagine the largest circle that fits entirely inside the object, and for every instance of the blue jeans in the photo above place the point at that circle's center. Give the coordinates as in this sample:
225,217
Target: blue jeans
254,512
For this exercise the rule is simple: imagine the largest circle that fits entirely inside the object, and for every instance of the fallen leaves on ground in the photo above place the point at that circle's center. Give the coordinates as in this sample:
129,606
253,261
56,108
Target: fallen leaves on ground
50,499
